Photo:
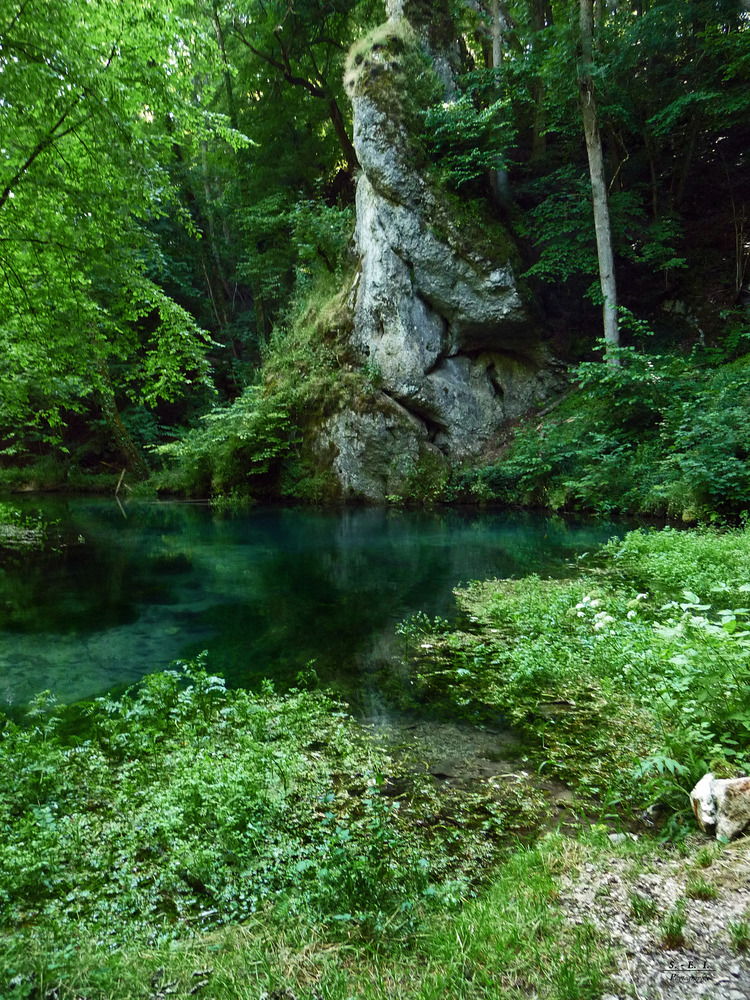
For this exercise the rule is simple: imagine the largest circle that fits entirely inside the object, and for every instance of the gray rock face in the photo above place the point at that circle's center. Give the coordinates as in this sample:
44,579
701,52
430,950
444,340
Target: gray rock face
722,805
376,451
442,324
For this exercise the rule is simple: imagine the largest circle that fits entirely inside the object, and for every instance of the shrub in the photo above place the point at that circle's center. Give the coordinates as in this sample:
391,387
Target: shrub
659,434
632,685
235,444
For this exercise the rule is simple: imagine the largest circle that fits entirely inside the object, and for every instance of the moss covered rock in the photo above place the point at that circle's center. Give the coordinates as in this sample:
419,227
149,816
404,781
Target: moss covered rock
438,314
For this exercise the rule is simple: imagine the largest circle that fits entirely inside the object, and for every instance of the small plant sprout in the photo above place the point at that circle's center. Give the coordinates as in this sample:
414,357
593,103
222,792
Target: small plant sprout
673,927
698,888
705,857
643,908
739,933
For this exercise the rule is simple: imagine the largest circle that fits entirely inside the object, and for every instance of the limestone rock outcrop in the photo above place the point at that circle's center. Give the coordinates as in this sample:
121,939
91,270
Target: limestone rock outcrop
438,316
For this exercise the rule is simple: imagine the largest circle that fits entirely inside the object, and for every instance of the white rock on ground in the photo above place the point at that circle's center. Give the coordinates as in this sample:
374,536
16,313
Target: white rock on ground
722,805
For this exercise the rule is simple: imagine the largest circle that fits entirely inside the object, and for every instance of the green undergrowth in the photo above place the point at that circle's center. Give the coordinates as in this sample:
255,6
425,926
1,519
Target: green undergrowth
185,806
256,446
23,531
50,474
184,839
631,678
180,808
662,434
510,942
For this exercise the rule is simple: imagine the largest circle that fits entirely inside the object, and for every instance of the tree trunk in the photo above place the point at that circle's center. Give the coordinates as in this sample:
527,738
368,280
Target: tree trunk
498,176
226,72
598,182
539,137
118,430
337,119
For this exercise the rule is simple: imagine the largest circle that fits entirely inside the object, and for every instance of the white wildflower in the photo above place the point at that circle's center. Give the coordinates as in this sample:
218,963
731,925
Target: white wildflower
601,620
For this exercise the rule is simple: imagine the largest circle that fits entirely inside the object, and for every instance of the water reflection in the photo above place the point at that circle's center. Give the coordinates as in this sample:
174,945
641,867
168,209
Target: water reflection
266,592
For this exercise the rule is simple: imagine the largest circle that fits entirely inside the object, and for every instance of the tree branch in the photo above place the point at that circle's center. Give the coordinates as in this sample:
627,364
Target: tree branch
40,147
15,20
285,67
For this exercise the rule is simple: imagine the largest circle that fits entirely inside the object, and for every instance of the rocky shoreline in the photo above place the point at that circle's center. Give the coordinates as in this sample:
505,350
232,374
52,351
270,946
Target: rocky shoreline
708,964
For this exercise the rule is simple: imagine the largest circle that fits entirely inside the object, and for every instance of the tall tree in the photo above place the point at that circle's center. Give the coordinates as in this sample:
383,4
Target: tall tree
303,45
598,180
91,92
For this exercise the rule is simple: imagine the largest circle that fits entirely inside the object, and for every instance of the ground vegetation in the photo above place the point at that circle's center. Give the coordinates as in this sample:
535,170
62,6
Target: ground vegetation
180,837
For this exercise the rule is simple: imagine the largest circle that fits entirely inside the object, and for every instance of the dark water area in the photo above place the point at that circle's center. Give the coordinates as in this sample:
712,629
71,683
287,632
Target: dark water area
267,592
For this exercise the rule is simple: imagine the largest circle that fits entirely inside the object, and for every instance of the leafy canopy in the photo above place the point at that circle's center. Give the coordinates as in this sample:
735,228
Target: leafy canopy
93,94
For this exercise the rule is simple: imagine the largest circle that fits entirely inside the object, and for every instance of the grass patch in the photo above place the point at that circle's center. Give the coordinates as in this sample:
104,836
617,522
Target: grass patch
511,941
697,887
673,927
629,683
643,908
739,933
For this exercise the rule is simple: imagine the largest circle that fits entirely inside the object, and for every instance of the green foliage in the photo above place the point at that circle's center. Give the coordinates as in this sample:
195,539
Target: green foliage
697,887
84,123
235,444
185,806
321,234
561,225
417,628
656,434
643,908
561,228
302,478
673,927
739,934
468,135
706,561
630,696
360,879
513,934
24,530
255,445
424,482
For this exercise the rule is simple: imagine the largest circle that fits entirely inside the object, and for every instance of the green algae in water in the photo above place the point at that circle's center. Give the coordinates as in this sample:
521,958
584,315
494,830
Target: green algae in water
268,592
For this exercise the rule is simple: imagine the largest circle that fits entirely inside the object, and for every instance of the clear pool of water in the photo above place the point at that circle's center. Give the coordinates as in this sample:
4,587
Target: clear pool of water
267,592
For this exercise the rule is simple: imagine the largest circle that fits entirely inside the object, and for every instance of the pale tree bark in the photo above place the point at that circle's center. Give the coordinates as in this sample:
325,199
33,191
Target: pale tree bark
598,182
498,176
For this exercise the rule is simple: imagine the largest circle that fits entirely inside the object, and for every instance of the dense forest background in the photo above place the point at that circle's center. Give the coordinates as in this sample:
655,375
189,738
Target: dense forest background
176,195
177,268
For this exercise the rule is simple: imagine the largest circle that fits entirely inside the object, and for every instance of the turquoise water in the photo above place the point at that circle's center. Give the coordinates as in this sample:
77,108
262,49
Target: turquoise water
266,593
